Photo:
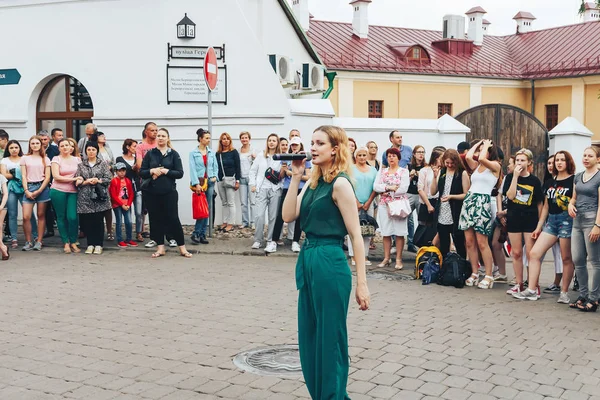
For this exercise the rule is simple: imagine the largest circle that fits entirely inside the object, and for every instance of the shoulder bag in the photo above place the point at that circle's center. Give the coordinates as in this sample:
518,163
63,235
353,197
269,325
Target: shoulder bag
228,181
399,207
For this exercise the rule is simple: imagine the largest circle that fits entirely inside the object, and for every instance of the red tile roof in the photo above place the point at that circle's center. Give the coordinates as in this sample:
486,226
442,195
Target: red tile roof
476,10
524,15
549,53
486,22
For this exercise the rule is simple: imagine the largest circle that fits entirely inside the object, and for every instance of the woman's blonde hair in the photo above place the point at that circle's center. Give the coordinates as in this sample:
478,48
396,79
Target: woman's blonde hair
75,151
266,153
527,153
165,130
246,133
221,149
341,159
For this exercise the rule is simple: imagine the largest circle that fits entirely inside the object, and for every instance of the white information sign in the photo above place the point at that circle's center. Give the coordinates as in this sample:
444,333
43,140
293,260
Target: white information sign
187,85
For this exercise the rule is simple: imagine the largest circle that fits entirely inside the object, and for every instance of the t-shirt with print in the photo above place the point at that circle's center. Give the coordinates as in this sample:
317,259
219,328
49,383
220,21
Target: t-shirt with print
67,168
142,149
559,193
529,195
414,181
36,170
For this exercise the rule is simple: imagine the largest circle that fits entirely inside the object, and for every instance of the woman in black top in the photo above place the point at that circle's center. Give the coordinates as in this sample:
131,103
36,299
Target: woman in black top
417,163
230,172
160,169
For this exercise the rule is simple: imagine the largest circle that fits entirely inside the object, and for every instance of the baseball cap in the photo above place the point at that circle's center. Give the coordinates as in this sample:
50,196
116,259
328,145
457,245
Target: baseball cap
119,166
295,140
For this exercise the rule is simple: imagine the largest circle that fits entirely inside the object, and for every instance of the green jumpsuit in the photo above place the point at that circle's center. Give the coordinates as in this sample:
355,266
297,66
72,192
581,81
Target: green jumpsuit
324,282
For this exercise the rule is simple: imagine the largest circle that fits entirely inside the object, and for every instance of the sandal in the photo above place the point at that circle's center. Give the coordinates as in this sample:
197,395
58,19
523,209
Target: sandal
157,254
579,302
486,283
67,249
7,255
139,237
398,266
110,236
384,263
74,248
473,280
187,254
590,306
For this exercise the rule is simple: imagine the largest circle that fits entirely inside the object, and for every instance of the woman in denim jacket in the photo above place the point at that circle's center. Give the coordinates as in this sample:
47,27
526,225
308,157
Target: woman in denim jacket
203,165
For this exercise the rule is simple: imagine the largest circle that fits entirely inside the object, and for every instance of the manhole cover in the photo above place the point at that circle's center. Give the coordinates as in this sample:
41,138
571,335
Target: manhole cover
271,361
382,276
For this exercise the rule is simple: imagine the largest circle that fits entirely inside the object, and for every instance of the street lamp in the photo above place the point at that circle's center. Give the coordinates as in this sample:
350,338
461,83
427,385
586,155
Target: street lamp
186,28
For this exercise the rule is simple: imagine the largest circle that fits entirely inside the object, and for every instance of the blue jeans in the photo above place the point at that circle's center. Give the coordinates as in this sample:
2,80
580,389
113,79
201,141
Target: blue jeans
585,252
119,212
12,204
202,224
248,203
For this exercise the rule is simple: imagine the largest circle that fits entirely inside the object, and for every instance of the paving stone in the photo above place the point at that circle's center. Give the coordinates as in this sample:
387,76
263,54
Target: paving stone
456,394
432,389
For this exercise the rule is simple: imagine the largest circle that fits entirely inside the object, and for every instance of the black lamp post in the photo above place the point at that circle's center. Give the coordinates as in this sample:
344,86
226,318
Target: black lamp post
186,28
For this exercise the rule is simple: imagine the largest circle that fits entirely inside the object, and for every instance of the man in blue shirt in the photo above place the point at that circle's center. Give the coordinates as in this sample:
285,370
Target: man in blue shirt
405,151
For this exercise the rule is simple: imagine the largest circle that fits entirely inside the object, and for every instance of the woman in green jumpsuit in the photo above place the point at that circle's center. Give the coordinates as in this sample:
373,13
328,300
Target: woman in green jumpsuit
328,212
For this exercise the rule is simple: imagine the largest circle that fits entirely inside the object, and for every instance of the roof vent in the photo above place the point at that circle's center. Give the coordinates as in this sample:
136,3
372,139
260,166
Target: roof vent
454,27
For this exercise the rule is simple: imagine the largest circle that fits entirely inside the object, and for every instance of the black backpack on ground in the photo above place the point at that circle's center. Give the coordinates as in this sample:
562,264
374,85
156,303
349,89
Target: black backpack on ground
455,271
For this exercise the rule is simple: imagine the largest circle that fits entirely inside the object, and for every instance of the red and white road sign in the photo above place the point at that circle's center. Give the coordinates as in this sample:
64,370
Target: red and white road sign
211,71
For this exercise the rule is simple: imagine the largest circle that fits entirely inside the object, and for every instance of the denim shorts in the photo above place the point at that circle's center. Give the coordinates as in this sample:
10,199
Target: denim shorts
559,225
43,197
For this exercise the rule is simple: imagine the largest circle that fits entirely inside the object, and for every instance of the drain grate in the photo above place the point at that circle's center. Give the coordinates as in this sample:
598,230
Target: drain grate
382,276
281,361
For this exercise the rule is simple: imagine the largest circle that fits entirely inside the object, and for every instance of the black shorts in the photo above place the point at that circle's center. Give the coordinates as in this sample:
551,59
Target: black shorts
521,222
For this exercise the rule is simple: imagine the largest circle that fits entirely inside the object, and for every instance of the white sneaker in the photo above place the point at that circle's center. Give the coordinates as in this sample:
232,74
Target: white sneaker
98,250
256,245
271,247
89,250
368,263
563,298
296,247
172,243
150,244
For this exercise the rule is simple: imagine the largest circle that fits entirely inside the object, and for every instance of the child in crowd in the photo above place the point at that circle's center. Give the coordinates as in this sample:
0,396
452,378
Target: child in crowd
121,196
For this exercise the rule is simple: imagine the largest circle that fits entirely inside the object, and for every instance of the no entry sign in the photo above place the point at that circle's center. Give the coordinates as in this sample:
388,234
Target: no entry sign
210,69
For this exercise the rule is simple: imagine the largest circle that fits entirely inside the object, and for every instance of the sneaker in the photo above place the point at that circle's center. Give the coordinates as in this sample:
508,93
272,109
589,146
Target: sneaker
506,247
203,240
28,246
527,294
122,244
172,243
132,243
514,289
98,250
37,246
150,244
256,245
368,263
412,248
195,238
552,289
500,278
563,298
271,247
90,250
296,247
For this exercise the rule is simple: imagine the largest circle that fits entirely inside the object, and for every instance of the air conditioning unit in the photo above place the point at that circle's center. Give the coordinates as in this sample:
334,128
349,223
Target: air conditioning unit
313,76
282,65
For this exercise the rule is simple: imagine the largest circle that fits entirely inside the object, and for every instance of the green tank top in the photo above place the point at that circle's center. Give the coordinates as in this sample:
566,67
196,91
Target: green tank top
319,215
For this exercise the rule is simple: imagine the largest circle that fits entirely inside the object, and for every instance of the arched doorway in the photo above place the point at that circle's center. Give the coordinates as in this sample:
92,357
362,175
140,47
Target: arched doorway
511,128
66,104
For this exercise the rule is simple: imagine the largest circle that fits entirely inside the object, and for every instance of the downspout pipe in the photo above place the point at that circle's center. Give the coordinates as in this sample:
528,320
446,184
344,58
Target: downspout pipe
330,77
533,97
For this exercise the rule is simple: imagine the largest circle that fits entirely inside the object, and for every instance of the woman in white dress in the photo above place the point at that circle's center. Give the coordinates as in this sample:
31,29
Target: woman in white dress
392,183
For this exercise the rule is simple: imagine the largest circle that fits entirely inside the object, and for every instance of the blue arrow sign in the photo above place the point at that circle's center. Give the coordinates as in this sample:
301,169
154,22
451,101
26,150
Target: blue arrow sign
9,77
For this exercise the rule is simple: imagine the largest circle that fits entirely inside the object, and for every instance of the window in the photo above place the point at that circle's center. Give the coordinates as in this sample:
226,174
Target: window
375,108
416,53
444,108
551,116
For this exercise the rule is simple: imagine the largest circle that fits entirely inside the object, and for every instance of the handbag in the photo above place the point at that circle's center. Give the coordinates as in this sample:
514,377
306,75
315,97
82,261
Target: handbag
199,206
368,225
272,176
399,208
203,182
146,183
228,181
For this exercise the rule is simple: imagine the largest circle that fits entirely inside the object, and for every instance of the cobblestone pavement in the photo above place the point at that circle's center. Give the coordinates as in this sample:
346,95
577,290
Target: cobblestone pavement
127,327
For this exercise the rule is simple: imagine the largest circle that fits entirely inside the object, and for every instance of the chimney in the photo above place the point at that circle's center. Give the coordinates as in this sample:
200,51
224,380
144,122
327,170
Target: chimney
486,25
591,13
475,32
454,27
524,20
300,8
360,22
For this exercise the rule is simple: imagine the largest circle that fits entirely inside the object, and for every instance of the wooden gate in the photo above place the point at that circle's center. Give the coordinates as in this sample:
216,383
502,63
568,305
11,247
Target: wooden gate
511,128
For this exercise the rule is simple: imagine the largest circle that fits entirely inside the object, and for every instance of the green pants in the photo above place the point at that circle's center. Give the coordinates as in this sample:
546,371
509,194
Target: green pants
324,281
65,206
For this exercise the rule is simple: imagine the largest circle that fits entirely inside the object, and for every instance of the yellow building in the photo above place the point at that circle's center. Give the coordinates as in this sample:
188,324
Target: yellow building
389,72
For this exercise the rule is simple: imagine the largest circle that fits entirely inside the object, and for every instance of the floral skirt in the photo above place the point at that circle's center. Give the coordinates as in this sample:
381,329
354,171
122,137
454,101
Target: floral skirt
476,213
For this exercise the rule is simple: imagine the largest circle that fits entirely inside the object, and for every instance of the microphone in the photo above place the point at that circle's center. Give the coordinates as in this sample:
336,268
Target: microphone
292,156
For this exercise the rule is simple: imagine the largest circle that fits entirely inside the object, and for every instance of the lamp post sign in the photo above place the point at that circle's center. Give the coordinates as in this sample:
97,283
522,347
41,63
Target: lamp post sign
211,73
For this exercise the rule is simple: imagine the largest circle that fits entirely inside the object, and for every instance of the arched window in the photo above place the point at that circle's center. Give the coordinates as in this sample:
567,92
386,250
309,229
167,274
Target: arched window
66,104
